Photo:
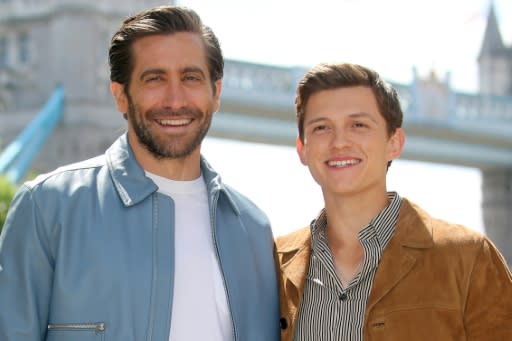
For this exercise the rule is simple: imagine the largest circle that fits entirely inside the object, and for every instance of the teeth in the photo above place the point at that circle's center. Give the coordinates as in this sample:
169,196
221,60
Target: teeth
180,122
343,163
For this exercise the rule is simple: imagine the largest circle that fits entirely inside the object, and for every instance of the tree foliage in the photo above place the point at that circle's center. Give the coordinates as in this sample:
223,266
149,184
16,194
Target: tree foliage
7,190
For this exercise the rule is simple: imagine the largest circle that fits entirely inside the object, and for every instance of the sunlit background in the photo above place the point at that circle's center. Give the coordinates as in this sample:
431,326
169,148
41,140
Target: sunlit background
439,39
392,37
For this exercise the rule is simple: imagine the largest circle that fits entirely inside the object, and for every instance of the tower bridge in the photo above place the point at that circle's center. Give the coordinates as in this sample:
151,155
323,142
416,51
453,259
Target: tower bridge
257,104
441,125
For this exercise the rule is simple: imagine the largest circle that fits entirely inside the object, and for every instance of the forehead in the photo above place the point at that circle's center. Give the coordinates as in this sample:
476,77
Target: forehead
342,100
169,51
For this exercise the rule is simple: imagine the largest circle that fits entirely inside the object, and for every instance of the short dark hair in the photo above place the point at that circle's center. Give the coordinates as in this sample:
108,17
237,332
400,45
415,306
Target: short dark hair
328,76
160,20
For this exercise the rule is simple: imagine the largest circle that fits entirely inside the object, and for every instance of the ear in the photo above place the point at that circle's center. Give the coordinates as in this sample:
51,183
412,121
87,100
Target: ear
300,151
119,95
216,95
396,144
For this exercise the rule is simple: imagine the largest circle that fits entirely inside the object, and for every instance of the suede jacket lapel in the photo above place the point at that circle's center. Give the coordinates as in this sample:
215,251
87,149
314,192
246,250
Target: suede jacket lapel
413,232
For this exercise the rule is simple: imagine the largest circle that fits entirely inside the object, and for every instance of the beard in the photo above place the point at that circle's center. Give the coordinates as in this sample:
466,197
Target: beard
168,147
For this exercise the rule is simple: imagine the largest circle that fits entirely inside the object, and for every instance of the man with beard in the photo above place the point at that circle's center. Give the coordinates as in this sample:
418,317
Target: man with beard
144,242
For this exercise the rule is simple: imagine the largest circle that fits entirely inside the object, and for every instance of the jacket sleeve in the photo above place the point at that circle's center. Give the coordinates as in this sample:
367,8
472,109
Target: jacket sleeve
488,311
25,271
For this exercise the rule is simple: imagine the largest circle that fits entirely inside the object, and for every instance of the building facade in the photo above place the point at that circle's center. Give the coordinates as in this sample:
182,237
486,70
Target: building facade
44,43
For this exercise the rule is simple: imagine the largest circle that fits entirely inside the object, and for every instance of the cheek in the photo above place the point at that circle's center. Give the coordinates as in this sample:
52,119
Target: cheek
205,102
152,98
380,153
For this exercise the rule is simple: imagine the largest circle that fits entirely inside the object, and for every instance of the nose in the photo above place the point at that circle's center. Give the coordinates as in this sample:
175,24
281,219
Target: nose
340,139
175,95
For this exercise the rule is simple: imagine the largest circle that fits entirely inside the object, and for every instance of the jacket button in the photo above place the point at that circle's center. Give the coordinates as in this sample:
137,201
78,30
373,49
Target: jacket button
343,297
283,323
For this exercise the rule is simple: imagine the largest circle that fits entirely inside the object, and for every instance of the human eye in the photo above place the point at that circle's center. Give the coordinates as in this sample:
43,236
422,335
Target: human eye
318,128
153,78
359,124
192,78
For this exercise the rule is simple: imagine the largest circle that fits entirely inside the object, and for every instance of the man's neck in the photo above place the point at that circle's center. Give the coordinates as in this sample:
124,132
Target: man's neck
347,215
179,169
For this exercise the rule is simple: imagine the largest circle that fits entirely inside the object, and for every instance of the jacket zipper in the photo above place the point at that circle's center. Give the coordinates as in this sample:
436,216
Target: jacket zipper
212,222
97,327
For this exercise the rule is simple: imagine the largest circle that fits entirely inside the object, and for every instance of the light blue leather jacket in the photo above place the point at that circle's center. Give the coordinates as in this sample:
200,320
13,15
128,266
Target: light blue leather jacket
87,254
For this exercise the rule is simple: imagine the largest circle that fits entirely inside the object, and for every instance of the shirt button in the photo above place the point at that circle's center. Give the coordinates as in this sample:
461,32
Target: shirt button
283,323
343,296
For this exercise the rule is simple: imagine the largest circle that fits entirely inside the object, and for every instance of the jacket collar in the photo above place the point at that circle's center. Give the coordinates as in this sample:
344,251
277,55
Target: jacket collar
129,178
413,232
215,186
414,227
294,252
131,182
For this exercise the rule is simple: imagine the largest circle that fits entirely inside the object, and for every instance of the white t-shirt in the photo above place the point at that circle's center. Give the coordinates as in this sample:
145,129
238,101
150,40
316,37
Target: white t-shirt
200,308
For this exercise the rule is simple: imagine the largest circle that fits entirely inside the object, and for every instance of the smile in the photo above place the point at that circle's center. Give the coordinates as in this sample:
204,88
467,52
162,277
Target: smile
175,122
343,163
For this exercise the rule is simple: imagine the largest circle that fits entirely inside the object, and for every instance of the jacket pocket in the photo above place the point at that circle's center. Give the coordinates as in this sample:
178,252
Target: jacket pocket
416,323
76,331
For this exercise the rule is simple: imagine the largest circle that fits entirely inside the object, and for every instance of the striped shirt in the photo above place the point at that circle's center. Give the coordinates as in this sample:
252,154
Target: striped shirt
328,310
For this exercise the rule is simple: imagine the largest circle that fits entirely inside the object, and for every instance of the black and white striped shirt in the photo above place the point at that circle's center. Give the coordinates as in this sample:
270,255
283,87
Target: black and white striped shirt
328,310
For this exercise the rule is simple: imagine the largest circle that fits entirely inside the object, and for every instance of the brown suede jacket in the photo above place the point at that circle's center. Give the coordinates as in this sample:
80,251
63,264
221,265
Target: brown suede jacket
435,281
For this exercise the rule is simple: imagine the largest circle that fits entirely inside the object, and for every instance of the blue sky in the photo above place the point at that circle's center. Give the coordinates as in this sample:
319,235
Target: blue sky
390,36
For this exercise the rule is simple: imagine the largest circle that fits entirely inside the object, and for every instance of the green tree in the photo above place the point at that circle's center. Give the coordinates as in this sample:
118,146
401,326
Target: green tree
7,190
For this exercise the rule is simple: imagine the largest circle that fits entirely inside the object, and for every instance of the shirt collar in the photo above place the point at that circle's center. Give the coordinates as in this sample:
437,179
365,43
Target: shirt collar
381,226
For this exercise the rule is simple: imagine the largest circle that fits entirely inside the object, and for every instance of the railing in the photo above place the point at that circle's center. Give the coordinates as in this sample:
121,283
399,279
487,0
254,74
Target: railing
277,85
480,107
18,155
261,78
272,88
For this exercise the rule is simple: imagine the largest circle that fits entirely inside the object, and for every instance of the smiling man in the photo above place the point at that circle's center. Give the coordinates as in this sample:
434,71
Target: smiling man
373,265
144,242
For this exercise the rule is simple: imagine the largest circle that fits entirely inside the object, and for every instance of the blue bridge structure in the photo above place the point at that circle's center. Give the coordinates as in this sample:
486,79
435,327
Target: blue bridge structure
16,158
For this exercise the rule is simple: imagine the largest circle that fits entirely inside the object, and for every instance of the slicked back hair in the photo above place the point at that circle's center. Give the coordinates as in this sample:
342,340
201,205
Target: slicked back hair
156,21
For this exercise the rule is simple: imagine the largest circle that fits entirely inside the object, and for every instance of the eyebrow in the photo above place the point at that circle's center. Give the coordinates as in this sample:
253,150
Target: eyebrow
154,71
194,69
315,120
363,114
360,114
159,71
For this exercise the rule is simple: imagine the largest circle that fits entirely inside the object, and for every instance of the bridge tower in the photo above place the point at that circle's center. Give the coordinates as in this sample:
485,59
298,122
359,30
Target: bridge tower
495,71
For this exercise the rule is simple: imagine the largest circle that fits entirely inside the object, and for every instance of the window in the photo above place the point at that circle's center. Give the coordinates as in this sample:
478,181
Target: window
23,48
